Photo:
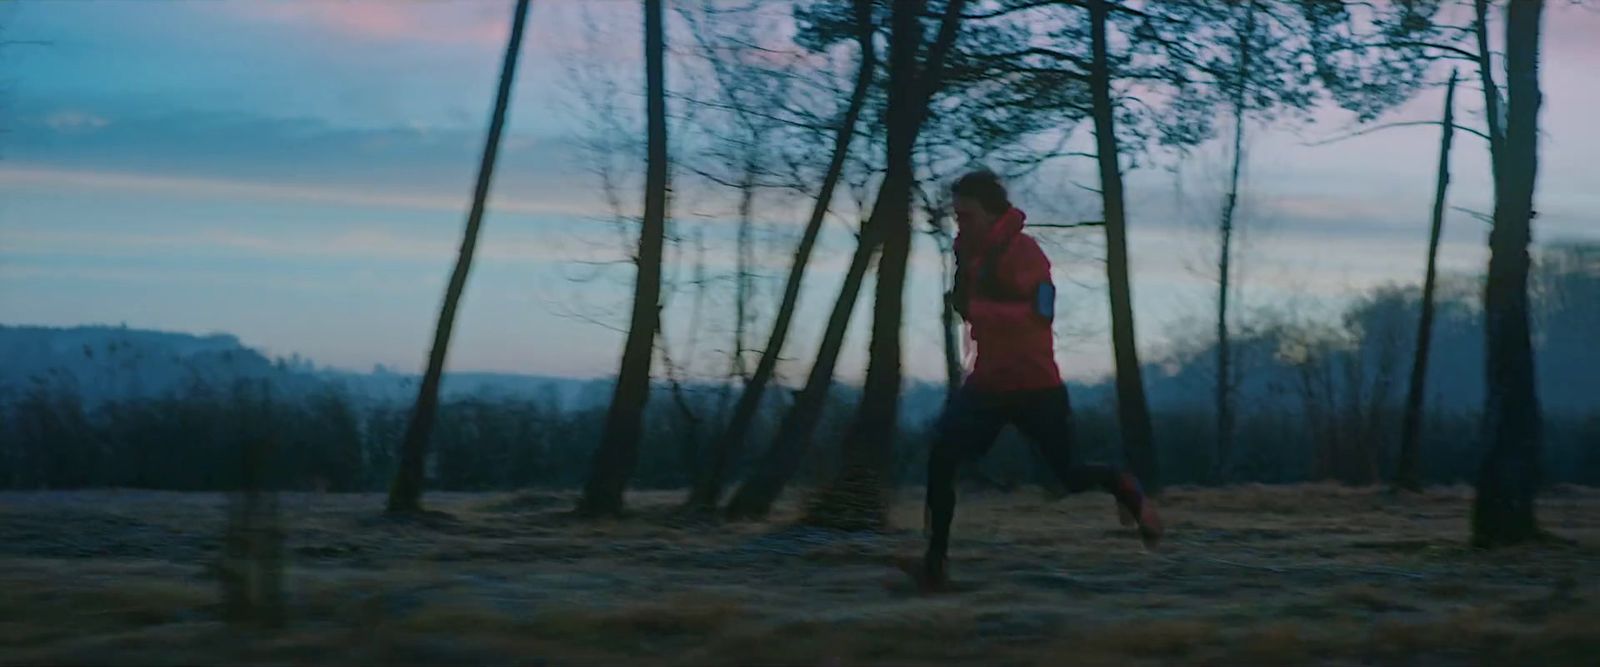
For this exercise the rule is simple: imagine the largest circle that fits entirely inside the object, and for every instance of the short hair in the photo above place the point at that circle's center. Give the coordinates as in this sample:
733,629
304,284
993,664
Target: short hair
985,187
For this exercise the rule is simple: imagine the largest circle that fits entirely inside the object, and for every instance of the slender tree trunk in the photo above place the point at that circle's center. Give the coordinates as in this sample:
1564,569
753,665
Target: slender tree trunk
689,440
1406,474
852,500
728,444
405,494
755,497
747,199
1491,92
951,328
1370,433
953,369
856,498
1503,511
1223,465
693,456
250,568
619,446
777,465
1133,412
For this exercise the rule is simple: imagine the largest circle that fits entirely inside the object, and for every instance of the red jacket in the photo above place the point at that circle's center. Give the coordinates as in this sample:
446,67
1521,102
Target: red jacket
1015,343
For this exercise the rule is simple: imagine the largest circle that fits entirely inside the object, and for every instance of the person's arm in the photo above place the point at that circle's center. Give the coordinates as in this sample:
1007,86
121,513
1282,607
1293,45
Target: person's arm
1023,278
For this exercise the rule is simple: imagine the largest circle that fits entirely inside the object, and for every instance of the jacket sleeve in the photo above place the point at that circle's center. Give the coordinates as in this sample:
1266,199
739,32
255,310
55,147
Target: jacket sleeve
1022,271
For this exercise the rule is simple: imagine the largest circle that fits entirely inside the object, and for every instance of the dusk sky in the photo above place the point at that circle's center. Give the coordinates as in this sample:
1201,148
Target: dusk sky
296,172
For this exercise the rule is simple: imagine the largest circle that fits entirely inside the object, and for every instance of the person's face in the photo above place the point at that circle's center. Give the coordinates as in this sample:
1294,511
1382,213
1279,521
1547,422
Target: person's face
970,215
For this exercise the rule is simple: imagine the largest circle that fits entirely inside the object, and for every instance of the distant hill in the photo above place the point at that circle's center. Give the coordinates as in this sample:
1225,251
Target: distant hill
103,363
107,363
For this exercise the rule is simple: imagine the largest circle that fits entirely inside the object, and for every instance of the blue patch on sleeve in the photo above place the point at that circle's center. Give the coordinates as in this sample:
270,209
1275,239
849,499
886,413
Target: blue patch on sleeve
1044,301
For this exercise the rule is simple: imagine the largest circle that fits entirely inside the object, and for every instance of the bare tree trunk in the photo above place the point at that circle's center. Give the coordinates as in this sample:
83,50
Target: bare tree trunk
755,497
405,495
777,465
1133,412
1308,371
250,568
689,442
1406,474
1221,468
950,328
1491,93
693,456
852,500
619,446
1503,511
940,230
948,324
1371,429
727,445
747,198
856,498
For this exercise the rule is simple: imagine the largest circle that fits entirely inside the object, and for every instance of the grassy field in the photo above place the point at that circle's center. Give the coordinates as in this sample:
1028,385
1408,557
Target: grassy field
1249,575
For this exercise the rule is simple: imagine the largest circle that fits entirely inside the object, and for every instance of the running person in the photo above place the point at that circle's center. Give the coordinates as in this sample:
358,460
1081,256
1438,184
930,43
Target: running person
1004,292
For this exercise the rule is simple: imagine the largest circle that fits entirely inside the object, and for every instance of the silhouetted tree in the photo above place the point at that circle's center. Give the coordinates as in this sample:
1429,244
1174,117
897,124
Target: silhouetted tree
619,445
1406,474
406,493
1225,372
731,440
1503,509
250,567
1133,410
856,498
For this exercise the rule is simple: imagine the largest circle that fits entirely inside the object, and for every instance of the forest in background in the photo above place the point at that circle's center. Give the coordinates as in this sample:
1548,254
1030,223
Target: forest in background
107,407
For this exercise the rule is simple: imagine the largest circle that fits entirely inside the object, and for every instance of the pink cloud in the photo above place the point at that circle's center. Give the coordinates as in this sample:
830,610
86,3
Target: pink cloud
388,21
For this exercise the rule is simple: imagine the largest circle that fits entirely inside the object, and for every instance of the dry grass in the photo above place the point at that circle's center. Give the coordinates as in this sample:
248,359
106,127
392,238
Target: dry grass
1254,575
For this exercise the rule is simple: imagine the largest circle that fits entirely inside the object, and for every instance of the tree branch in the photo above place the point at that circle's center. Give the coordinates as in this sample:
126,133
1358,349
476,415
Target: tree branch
1389,126
982,16
1066,225
1481,216
1447,48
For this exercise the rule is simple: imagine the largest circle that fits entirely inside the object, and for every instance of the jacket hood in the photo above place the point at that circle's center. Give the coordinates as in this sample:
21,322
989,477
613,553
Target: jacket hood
1008,225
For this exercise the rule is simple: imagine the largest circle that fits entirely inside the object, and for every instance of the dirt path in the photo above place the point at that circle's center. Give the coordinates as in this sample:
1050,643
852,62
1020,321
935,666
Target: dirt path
1307,574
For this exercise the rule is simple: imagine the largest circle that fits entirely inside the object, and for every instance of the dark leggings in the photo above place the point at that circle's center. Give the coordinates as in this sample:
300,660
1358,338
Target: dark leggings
971,422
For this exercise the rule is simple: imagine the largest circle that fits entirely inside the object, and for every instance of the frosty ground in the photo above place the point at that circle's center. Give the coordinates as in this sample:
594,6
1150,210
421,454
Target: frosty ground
1248,575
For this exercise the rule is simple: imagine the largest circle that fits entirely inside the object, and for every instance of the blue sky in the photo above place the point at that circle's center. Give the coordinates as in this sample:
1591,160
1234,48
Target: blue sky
296,172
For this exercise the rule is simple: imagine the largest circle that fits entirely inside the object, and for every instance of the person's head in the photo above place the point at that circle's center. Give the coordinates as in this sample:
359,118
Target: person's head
978,199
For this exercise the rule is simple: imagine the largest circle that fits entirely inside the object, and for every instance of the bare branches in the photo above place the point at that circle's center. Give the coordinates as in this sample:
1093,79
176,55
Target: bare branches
1455,51
1046,52
1480,216
1066,225
755,113
737,184
1004,11
1389,126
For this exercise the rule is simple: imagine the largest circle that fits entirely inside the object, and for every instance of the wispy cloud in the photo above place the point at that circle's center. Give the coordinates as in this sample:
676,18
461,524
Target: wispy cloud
68,120
361,244
228,189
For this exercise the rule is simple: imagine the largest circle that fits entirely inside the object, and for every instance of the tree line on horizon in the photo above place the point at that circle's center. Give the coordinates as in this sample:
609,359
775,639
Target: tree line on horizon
1320,400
